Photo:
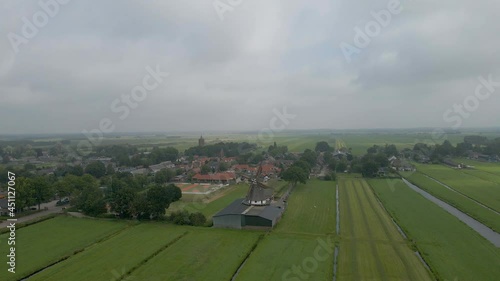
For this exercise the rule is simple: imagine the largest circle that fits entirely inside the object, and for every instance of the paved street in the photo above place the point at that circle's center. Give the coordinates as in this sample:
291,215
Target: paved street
52,208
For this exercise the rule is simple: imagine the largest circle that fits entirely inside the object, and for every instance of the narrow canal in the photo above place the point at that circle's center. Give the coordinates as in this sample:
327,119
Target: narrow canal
480,228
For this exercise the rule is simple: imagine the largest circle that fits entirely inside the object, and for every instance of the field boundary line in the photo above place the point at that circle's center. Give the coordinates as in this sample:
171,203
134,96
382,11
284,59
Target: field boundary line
410,273
242,264
465,171
31,222
77,251
154,254
459,192
337,201
354,263
432,271
380,266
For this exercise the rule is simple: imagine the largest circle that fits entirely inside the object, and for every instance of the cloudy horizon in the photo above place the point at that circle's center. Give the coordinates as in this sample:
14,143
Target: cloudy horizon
238,65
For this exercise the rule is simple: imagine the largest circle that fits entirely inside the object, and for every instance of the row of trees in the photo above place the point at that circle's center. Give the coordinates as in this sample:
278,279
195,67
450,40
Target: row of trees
437,152
123,193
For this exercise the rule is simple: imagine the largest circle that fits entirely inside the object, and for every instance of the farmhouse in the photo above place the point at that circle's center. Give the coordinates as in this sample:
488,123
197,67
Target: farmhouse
239,215
255,210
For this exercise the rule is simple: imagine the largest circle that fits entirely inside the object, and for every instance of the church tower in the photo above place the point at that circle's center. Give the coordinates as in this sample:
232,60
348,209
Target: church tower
201,141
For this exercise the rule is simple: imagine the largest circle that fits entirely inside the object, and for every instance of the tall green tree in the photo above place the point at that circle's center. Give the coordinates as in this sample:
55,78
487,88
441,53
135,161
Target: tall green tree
25,194
164,176
122,201
322,146
294,175
43,191
90,200
96,169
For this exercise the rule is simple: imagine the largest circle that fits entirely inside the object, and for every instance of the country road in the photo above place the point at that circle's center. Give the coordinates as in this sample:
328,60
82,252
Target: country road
51,209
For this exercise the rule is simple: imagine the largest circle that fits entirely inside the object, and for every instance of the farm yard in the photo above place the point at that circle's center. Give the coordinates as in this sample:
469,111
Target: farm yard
197,188
209,204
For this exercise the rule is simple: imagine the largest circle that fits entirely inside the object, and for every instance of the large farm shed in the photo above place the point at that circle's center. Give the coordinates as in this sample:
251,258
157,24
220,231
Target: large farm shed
238,215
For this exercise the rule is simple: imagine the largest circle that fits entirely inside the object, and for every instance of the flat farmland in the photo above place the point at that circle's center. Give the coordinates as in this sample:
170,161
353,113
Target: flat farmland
484,175
489,167
202,254
311,209
371,248
459,201
209,205
277,254
452,249
113,258
486,192
47,242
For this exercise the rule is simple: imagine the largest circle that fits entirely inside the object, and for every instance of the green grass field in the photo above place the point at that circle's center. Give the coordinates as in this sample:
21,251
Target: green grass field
455,199
371,247
113,258
277,253
486,192
484,175
310,210
492,168
203,254
44,243
453,250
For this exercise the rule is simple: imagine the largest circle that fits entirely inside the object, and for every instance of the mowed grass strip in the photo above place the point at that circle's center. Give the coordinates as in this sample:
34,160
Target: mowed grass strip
311,209
113,258
204,254
459,201
281,256
47,242
207,206
487,176
486,192
453,250
371,247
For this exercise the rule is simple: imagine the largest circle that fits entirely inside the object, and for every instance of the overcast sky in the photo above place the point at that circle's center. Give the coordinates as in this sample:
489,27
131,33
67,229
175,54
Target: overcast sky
228,69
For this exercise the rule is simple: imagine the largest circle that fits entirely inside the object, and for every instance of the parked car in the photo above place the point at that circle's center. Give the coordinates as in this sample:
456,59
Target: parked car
62,201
